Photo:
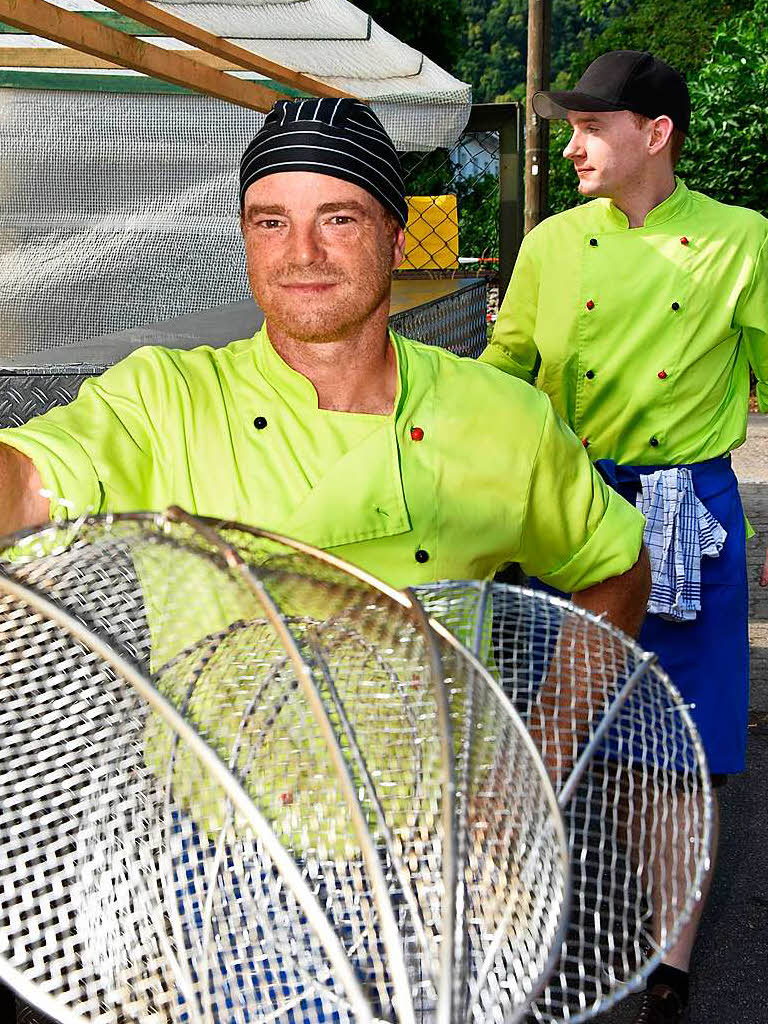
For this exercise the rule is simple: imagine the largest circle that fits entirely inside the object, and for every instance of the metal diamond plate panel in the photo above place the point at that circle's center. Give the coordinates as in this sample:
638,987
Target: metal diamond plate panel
24,394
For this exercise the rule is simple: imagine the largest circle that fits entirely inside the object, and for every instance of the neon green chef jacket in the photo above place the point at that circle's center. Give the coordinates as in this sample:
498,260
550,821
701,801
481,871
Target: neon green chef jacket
471,471
642,337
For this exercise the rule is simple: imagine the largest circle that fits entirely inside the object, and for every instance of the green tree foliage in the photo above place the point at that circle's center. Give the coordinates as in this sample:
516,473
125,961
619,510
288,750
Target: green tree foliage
483,42
679,33
726,65
493,60
436,27
494,56
727,152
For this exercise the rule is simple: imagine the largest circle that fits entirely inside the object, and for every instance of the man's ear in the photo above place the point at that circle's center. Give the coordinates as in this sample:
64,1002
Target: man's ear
661,132
242,223
399,247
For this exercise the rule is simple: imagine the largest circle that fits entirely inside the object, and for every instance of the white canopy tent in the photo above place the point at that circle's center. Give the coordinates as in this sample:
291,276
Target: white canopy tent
118,194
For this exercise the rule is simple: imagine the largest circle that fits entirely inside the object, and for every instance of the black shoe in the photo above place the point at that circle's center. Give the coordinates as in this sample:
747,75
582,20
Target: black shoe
661,1005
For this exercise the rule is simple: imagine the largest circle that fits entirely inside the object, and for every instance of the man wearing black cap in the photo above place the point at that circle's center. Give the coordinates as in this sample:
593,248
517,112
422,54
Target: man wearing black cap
638,314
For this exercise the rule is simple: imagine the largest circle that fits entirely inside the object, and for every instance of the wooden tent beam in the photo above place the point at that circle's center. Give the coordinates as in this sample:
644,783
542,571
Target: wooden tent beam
72,29
65,57
170,25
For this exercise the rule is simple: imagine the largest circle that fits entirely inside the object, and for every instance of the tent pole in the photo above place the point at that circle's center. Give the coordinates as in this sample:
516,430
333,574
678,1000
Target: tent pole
170,25
81,33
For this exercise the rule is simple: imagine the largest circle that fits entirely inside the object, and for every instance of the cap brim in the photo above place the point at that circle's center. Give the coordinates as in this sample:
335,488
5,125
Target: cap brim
553,105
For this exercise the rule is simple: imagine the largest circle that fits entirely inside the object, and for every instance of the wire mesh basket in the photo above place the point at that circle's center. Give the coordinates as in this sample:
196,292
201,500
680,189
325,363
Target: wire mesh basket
629,770
242,783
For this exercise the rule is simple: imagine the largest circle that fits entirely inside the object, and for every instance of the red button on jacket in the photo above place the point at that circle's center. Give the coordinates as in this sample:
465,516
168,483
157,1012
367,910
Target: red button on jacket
417,434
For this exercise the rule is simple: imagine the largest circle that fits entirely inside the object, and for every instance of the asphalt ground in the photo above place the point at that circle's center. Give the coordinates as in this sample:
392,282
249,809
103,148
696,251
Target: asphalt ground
729,972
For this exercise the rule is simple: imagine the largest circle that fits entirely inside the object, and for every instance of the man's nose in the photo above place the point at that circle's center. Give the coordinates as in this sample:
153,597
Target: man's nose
307,246
573,148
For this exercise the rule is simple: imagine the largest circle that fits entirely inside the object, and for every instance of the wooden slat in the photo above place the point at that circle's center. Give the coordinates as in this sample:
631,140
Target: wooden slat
72,29
110,18
169,24
64,57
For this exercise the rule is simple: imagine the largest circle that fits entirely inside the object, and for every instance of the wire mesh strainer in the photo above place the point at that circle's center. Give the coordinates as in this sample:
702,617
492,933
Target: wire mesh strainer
241,783
628,768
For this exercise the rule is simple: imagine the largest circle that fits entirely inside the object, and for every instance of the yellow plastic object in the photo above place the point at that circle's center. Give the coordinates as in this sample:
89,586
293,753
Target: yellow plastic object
432,234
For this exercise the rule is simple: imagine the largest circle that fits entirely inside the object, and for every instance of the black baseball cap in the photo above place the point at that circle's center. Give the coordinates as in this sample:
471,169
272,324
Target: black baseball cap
624,80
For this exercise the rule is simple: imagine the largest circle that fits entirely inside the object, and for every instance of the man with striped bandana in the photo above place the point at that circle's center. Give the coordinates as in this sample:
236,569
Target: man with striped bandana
326,425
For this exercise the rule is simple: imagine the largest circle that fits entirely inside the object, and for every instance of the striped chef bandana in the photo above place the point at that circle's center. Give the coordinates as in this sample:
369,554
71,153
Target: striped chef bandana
342,138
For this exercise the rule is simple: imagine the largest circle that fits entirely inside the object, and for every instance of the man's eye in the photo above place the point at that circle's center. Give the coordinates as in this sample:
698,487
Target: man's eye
341,218
269,223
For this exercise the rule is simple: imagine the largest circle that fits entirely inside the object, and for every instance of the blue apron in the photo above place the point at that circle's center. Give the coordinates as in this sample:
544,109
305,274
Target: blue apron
248,981
251,982
707,659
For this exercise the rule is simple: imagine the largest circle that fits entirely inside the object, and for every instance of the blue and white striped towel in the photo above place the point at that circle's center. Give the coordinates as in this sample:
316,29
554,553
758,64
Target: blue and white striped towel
679,531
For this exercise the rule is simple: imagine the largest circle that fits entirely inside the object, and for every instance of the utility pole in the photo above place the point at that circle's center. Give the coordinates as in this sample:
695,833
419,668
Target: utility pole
536,128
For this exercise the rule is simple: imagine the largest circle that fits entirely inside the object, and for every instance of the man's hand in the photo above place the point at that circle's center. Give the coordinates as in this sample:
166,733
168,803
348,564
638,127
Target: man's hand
21,503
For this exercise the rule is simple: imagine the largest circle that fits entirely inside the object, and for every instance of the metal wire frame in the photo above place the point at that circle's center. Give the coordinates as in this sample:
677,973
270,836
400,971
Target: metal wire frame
451,980
440,630
305,675
465,608
210,759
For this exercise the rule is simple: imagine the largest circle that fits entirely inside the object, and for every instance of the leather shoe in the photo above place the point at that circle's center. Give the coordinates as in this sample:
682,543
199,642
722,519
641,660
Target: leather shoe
661,1005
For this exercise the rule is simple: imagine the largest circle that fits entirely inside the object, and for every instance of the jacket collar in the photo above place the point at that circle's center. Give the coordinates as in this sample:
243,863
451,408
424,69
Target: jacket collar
360,497
672,206
296,389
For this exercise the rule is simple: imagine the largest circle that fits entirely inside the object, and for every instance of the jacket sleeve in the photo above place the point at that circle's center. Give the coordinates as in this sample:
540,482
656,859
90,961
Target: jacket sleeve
576,531
752,316
102,451
512,347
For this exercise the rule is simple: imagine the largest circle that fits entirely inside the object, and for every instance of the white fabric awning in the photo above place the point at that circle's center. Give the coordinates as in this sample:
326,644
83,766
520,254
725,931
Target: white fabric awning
420,104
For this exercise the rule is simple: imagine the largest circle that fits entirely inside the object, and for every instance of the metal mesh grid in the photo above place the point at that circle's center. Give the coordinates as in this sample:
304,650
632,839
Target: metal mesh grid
629,771
454,206
121,210
224,796
456,323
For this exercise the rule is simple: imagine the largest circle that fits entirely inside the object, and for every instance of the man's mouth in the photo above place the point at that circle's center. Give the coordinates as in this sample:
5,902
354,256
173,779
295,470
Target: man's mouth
308,287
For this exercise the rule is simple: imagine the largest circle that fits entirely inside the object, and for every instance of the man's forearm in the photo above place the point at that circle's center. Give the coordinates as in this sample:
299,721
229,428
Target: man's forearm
576,685
622,599
21,503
